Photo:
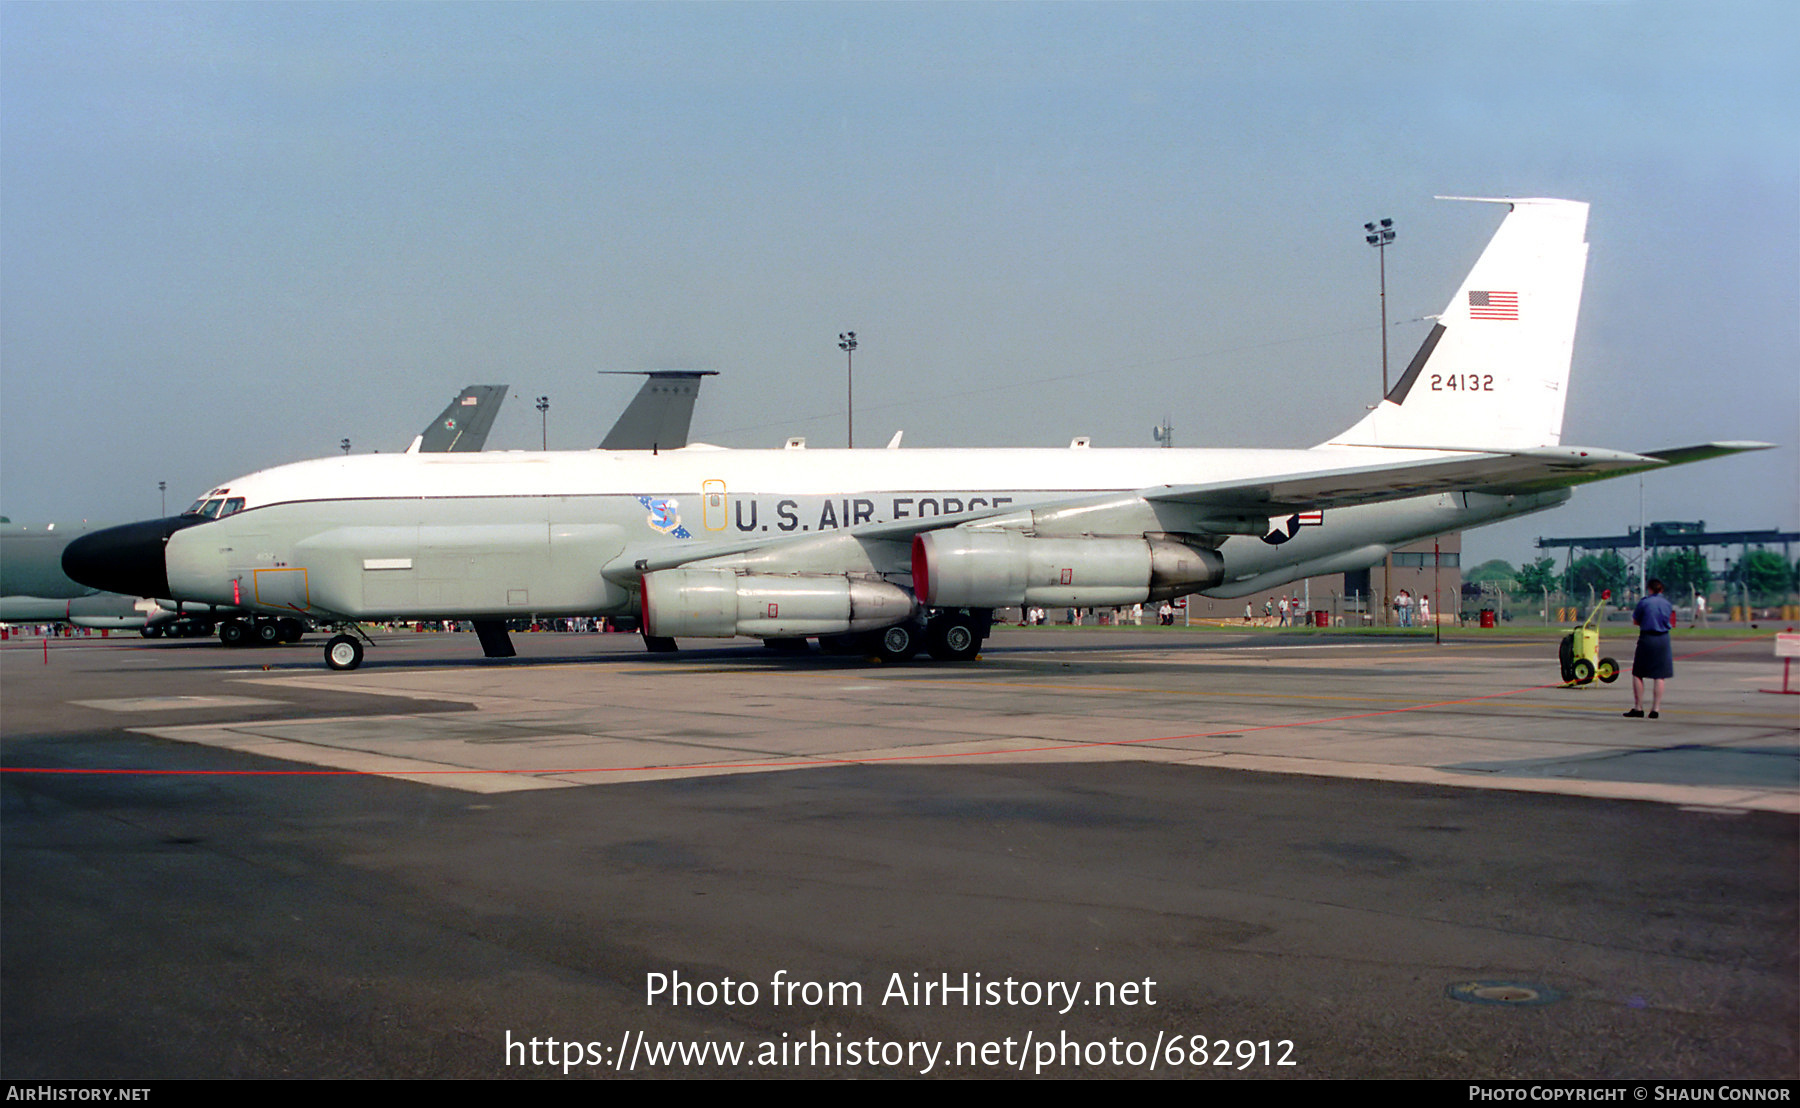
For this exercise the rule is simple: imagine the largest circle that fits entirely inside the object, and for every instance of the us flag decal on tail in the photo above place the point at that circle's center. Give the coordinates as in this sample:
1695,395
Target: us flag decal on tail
1493,305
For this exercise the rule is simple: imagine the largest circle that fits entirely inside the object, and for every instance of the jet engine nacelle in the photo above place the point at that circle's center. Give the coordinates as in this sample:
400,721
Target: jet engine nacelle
964,568
721,603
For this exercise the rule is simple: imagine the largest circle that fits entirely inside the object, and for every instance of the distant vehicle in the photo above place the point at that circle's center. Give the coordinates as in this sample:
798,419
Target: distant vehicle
898,550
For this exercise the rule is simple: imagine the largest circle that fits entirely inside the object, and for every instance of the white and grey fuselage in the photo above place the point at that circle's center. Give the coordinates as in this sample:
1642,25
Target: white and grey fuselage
503,535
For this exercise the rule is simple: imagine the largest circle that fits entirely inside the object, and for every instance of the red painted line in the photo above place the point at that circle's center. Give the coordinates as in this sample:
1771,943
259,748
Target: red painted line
801,762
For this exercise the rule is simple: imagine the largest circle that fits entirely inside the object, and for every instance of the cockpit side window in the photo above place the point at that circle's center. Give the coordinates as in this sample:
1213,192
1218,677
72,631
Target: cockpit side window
235,504
211,508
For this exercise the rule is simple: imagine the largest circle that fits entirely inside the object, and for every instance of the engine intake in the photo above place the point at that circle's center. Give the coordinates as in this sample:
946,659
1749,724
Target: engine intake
963,568
721,603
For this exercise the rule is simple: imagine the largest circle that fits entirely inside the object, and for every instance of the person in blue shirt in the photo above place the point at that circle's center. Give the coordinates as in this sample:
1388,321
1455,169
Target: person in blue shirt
1655,658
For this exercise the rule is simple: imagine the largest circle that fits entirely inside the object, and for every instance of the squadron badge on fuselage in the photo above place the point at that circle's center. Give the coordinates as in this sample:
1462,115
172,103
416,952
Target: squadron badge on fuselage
664,516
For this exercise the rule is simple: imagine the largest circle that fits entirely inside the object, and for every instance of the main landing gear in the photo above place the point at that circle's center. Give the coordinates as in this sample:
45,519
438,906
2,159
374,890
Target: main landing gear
948,635
956,635
897,643
261,631
344,650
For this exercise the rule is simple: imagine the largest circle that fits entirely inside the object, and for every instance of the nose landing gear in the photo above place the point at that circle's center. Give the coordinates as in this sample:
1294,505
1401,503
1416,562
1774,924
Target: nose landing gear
344,650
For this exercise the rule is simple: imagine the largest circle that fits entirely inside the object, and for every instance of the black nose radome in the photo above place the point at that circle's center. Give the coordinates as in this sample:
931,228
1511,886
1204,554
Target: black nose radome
126,559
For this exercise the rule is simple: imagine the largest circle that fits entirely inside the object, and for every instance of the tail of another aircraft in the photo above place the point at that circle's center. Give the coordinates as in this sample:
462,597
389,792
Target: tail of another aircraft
1494,372
463,426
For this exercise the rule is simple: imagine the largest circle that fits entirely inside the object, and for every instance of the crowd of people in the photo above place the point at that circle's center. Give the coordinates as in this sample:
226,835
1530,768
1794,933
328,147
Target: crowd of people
1405,606
1282,611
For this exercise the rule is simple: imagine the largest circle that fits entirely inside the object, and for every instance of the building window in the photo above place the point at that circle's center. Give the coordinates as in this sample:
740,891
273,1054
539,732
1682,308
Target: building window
1421,559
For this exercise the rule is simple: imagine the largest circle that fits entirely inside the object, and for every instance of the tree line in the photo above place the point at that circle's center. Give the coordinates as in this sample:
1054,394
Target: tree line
1684,572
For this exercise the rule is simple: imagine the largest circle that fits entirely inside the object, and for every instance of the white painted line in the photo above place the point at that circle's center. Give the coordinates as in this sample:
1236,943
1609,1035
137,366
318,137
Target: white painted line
170,703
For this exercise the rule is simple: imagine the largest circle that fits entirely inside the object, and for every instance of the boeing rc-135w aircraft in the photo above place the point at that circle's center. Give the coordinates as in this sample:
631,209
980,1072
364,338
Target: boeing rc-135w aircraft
910,547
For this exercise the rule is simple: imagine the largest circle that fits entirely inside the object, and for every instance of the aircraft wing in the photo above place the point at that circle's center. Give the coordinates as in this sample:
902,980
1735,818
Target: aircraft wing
1236,501
649,557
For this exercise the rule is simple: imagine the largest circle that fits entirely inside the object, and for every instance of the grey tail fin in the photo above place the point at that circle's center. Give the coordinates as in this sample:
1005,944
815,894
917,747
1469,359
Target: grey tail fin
463,426
659,415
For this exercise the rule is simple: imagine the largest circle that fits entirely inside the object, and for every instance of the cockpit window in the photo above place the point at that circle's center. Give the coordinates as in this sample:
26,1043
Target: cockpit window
215,507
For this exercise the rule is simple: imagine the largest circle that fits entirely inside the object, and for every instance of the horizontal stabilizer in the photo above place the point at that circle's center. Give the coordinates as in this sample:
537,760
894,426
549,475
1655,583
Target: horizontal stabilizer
1682,455
1514,471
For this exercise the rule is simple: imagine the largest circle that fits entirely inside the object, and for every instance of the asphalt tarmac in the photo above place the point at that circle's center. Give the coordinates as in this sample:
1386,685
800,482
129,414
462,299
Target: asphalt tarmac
1105,852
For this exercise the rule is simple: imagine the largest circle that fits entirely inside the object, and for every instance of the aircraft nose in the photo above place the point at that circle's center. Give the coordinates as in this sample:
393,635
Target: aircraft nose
126,559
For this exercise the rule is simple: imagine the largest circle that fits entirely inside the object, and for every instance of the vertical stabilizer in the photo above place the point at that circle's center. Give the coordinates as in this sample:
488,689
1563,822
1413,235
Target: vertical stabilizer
1494,372
658,416
463,426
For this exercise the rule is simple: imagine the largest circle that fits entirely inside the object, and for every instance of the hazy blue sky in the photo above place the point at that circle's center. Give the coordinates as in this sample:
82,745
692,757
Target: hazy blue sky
232,235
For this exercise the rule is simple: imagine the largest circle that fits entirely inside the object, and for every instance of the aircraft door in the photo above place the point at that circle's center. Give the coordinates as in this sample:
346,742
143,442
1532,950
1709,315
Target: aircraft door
281,588
712,505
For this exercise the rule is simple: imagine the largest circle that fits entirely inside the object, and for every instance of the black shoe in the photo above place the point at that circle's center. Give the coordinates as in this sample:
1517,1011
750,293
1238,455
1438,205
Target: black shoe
1635,713
1654,715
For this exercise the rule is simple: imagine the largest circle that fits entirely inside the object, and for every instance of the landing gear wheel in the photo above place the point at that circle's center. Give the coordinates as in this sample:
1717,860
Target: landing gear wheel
952,639
1582,671
343,652
233,632
268,632
151,631
1609,670
895,644
292,630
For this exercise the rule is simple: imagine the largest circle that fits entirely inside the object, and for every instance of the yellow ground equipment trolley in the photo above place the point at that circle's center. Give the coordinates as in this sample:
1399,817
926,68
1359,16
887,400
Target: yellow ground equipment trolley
1580,653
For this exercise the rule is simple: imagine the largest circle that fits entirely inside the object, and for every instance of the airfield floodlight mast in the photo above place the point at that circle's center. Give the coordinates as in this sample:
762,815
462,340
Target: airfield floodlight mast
1379,235
162,490
344,445
847,343
543,407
